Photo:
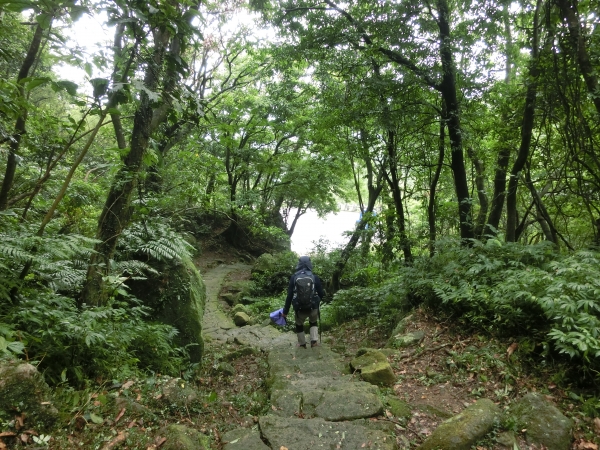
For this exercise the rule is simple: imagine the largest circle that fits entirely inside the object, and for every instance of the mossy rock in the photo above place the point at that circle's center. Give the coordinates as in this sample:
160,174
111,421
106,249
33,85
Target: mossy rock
244,351
399,408
231,298
23,390
544,423
177,297
367,357
226,368
243,439
463,430
379,373
406,340
241,319
179,393
239,308
180,437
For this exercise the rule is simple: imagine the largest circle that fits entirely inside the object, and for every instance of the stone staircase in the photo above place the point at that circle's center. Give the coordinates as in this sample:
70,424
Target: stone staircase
313,403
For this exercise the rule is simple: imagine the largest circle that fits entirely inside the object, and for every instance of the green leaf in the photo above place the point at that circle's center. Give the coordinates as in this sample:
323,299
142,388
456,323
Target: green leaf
88,69
68,86
96,419
16,5
45,20
34,82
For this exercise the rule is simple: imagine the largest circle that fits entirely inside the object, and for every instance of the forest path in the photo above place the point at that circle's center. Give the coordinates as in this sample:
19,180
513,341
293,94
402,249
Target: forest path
218,326
313,403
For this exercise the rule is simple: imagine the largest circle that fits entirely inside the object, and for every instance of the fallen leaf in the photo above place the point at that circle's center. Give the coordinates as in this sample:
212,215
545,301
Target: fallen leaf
2,445
132,424
24,438
120,415
283,448
585,445
19,421
127,385
511,349
597,425
7,434
119,438
160,441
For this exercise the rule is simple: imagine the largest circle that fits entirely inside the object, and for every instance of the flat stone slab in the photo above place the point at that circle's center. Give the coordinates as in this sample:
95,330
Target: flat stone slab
311,434
243,439
291,362
331,398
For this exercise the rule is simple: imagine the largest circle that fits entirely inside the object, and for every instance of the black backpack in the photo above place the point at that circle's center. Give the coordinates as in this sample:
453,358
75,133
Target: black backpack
304,291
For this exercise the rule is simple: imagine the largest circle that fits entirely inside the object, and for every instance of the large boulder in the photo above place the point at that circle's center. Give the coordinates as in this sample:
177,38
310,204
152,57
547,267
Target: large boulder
177,297
264,263
24,391
544,423
463,430
406,340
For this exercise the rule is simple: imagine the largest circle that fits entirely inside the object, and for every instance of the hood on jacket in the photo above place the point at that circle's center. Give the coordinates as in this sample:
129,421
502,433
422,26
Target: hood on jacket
304,263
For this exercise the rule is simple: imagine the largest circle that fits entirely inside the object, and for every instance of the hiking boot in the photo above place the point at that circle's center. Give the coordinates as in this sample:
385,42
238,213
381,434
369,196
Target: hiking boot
313,344
303,345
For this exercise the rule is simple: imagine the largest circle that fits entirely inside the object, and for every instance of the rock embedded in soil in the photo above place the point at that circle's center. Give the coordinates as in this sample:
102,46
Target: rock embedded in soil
406,340
544,423
241,319
463,430
24,391
180,437
374,368
179,392
243,439
310,434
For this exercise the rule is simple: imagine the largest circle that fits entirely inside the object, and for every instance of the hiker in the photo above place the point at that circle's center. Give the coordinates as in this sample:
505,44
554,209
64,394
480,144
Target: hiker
304,294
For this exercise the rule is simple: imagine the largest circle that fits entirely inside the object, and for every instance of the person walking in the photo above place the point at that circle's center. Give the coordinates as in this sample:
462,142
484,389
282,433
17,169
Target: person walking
305,292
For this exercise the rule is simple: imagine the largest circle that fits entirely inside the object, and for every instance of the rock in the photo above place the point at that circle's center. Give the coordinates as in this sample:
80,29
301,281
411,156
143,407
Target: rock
133,407
244,351
544,423
507,439
379,373
464,429
367,357
23,390
177,297
374,368
239,308
178,392
406,340
399,408
308,434
226,369
243,439
180,437
241,319
231,298
402,325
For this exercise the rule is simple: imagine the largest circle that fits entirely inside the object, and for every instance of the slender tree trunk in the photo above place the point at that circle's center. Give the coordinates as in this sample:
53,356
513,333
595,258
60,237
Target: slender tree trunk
117,209
448,90
526,134
590,74
15,142
431,206
394,185
481,195
499,195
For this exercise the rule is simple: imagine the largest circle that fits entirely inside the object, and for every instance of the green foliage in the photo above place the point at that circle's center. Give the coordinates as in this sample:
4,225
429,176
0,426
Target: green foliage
100,342
153,239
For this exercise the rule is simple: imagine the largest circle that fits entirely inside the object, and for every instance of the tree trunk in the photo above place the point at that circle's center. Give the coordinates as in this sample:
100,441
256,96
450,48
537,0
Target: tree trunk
571,14
117,209
431,206
394,186
15,142
448,90
526,134
481,195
